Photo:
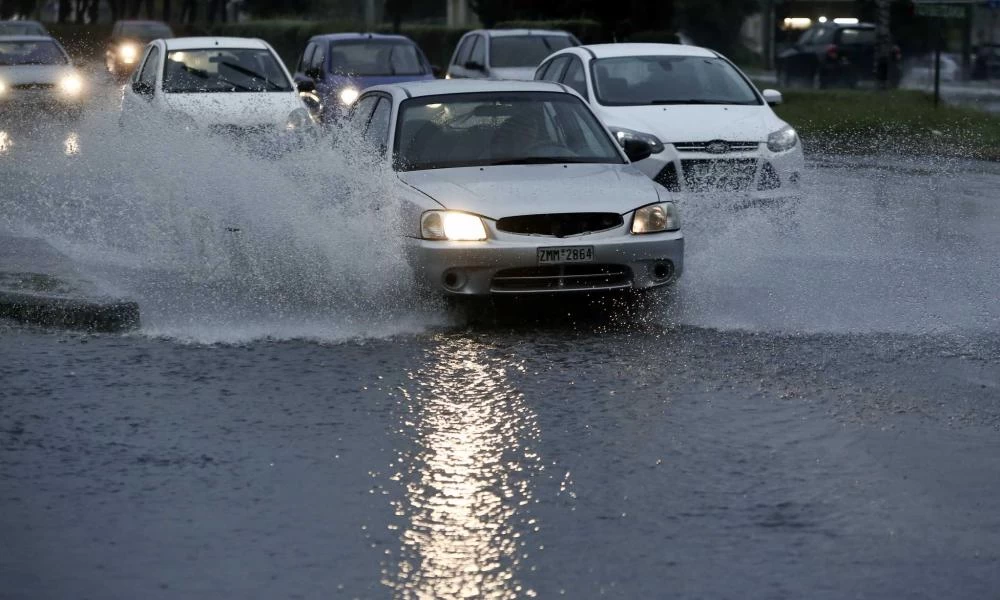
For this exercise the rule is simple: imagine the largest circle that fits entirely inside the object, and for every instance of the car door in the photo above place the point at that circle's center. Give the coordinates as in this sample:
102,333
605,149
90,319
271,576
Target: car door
456,69
140,91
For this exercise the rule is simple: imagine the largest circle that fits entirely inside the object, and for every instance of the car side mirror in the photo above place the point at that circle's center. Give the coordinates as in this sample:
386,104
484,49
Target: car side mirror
305,85
773,97
474,66
637,150
142,88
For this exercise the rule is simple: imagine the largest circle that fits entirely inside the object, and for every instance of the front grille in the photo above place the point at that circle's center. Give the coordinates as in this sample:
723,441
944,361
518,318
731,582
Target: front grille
33,86
708,146
728,175
239,131
667,177
560,224
561,278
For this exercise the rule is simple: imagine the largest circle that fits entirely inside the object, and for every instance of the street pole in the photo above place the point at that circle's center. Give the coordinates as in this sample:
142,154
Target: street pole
937,61
882,46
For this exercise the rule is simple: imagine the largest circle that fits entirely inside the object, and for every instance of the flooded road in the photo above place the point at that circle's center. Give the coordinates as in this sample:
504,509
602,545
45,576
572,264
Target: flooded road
815,412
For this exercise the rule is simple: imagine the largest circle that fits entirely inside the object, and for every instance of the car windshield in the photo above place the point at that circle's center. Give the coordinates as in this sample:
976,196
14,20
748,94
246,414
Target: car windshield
481,129
375,57
31,53
525,50
21,28
223,70
642,80
145,31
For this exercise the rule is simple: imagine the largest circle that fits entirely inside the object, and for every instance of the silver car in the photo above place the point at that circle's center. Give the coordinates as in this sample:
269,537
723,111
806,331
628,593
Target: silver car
36,73
517,188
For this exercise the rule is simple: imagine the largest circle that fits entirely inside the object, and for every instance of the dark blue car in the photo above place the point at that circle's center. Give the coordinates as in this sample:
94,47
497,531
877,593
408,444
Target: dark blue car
341,65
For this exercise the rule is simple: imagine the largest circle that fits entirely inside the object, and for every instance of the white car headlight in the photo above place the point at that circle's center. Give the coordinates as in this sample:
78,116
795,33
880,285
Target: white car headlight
128,52
299,118
622,135
783,139
71,85
451,225
656,218
3,88
349,95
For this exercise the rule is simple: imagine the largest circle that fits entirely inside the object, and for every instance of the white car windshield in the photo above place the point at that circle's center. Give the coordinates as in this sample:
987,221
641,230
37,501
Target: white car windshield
31,53
223,70
643,80
525,50
489,128
375,57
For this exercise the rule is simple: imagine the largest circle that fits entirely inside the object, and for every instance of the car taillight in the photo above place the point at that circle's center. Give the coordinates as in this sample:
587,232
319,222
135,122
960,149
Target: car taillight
831,51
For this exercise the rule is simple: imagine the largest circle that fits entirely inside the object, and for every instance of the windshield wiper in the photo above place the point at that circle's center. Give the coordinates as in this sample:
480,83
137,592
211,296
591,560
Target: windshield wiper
539,160
695,101
251,75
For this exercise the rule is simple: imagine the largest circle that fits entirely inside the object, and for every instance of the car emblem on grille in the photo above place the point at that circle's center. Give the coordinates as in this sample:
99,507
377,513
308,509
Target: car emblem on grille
717,147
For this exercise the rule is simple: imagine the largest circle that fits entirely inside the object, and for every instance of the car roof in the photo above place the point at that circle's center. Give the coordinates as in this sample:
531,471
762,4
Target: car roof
27,38
440,87
31,21
521,32
621,50
339,37
139,22
192,43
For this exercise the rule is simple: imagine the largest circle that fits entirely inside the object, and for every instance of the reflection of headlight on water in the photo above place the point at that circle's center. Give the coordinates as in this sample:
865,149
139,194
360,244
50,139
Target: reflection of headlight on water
71,145
71,85
128,52
349,95
6,143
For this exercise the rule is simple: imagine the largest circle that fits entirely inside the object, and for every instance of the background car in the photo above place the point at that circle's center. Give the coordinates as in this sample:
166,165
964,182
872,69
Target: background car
22,27
505,53
36,73
340,65
920,70
986,64
236,87
517,188
122,53
831,54
709,127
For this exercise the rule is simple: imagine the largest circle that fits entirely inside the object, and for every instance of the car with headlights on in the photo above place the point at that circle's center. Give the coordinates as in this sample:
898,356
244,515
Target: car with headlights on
233,87
711,130
124,48
337,66
517,188
37,74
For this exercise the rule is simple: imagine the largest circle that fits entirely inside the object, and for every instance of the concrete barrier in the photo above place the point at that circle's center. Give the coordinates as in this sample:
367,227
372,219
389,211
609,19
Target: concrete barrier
41,286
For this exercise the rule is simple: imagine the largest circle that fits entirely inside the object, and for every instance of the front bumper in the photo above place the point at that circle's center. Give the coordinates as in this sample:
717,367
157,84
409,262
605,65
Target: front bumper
510,266
757,174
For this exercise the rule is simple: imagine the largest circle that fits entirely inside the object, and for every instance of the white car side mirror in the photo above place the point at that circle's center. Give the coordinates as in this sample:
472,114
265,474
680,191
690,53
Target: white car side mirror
773,97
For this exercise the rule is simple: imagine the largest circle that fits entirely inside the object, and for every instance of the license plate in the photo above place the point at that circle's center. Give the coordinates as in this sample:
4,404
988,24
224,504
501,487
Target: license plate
565,254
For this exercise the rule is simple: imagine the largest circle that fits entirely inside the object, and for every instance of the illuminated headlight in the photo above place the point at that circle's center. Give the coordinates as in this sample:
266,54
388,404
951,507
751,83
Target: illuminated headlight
783,139
71,85
349,95
656,218
451,225
299,118
128,53
3,88
623,135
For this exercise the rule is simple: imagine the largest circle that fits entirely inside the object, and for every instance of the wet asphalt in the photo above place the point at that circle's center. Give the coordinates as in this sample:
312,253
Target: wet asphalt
813,413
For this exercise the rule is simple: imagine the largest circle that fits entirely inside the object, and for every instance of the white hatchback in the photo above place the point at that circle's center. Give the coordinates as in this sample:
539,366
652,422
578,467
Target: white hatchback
231,86
711,129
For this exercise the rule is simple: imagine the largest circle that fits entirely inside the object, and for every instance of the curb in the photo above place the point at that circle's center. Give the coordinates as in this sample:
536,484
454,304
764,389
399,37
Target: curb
87,314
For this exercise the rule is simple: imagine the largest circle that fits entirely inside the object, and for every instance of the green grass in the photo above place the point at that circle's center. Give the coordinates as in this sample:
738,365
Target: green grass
898,121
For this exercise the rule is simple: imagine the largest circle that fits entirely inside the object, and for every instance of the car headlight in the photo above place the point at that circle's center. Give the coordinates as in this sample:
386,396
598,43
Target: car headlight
349,95
783,139
451,225
299,118
621,134
71,85
128,52
656,218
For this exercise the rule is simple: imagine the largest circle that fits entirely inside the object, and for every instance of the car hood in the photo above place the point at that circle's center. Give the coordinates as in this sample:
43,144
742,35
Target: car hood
513,73
339,82
696,123
510,190
22,74
241,109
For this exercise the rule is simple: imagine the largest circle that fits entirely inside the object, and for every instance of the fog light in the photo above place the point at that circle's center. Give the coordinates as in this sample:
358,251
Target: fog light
454,279
663,270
